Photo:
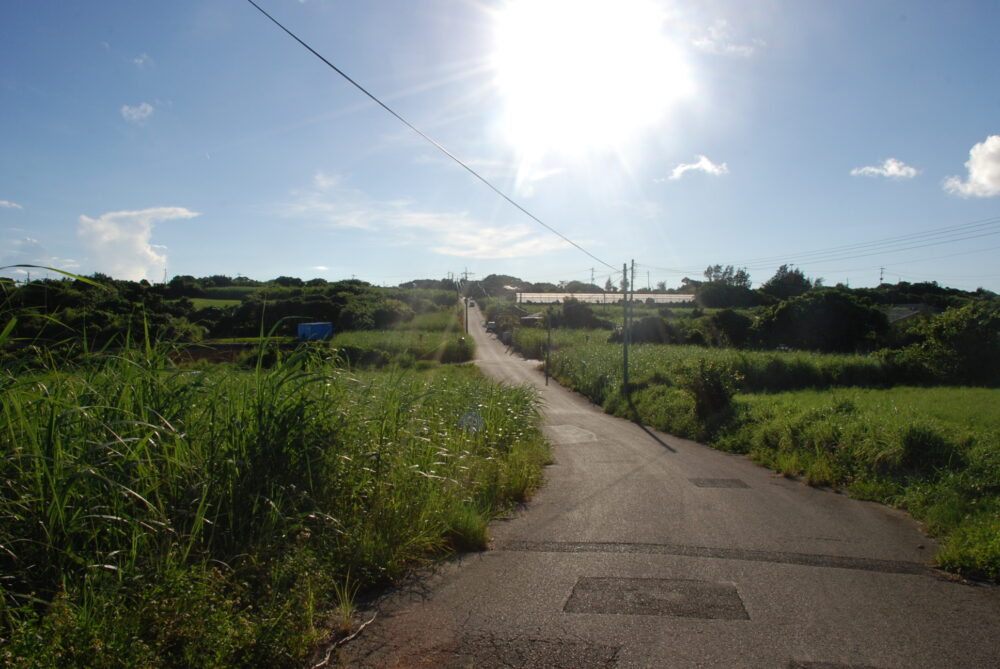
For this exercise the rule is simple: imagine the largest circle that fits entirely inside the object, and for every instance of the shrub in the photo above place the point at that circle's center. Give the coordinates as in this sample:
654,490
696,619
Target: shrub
829,320
713,384
734,327
963,345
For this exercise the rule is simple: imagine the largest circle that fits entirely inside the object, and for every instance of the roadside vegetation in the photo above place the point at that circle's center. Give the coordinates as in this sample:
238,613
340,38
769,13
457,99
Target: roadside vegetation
819,386
157,513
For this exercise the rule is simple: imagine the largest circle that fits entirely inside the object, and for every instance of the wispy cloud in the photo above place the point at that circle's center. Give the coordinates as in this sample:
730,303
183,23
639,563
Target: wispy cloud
118,242
892,168
720,40
703,164
984,171
142,60
29,251
453,233
7,204
138,113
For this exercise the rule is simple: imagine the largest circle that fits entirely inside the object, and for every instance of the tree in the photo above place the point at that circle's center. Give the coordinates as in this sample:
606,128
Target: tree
725,287
576,314
608,286
829,320
289,281
735,327
580,287
184,286
728,276
963,345
788,281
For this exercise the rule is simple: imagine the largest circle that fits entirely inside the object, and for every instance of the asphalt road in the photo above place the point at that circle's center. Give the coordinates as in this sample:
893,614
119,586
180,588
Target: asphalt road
644,550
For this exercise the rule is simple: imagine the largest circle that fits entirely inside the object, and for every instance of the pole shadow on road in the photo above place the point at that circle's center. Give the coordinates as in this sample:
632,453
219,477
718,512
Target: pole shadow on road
634,416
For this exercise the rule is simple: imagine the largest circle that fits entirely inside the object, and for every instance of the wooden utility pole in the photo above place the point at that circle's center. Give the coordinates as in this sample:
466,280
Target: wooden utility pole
625,335
548,345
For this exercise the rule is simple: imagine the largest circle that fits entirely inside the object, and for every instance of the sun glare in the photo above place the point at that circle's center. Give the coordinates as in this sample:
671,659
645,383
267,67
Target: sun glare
584,75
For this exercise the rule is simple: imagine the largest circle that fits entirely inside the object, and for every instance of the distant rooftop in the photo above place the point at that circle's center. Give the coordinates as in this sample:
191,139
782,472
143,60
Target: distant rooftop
602,298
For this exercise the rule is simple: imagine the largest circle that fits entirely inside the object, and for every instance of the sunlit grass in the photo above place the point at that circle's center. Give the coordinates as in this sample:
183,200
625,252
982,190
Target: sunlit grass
158,516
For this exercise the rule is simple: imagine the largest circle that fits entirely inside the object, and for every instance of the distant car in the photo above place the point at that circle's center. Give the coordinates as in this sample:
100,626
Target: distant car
471,303
491,326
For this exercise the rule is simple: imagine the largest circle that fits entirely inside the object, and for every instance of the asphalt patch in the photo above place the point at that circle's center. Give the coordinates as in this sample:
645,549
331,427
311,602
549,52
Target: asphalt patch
656,597
719,483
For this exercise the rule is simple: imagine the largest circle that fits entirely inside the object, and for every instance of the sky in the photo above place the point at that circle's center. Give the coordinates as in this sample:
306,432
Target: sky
858,140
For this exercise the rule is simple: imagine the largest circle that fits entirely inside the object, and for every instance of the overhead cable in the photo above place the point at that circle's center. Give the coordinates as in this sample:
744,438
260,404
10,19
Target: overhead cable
429,139
937,237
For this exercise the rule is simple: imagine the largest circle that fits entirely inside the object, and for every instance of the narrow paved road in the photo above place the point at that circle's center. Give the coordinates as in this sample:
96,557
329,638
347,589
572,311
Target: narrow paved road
644,550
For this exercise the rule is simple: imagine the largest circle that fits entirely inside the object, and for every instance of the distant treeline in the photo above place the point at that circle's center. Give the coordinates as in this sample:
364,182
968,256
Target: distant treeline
104,310
957,344
730,287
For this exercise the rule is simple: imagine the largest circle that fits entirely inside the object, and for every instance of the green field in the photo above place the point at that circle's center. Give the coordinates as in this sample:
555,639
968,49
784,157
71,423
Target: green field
206,302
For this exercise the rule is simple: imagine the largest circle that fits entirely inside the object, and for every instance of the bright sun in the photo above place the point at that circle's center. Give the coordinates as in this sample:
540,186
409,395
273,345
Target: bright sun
584,75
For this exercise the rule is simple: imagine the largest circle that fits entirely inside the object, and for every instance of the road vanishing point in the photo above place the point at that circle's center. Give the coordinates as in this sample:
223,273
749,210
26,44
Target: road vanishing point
645,550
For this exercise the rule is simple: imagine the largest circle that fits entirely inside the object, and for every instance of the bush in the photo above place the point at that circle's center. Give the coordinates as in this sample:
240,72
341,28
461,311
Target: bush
712,384
962,345
576,314
831,321
734,327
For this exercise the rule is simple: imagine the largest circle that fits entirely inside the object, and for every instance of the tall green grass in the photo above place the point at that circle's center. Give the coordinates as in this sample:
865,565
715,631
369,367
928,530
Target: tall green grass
153,516
932,451
594,367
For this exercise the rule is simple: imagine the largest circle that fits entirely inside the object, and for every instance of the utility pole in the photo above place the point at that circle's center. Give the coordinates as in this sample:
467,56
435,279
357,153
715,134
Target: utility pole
591,275
548,345
631,284
881,275
625,328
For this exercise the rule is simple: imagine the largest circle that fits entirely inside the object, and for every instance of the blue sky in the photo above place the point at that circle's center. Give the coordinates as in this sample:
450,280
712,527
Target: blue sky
852,138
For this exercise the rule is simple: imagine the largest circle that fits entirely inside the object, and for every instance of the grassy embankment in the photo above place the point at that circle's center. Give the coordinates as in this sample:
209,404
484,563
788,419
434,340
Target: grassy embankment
157,516
834,420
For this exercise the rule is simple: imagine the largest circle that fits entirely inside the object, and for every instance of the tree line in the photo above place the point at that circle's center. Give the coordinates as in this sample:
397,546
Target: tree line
99,310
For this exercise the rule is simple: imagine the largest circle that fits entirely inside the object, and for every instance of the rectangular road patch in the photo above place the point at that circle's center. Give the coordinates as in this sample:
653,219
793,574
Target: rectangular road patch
719,483
656,597
569,434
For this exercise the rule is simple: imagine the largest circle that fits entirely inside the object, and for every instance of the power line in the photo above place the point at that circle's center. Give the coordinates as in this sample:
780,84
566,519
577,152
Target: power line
946,235
429,139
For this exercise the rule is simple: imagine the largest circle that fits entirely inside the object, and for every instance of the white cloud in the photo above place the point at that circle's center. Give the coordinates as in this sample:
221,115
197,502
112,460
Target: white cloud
320,268
119,241
892,168
984,171
141,60
703,164
29,251
7,204
452,233
137,114
719,40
